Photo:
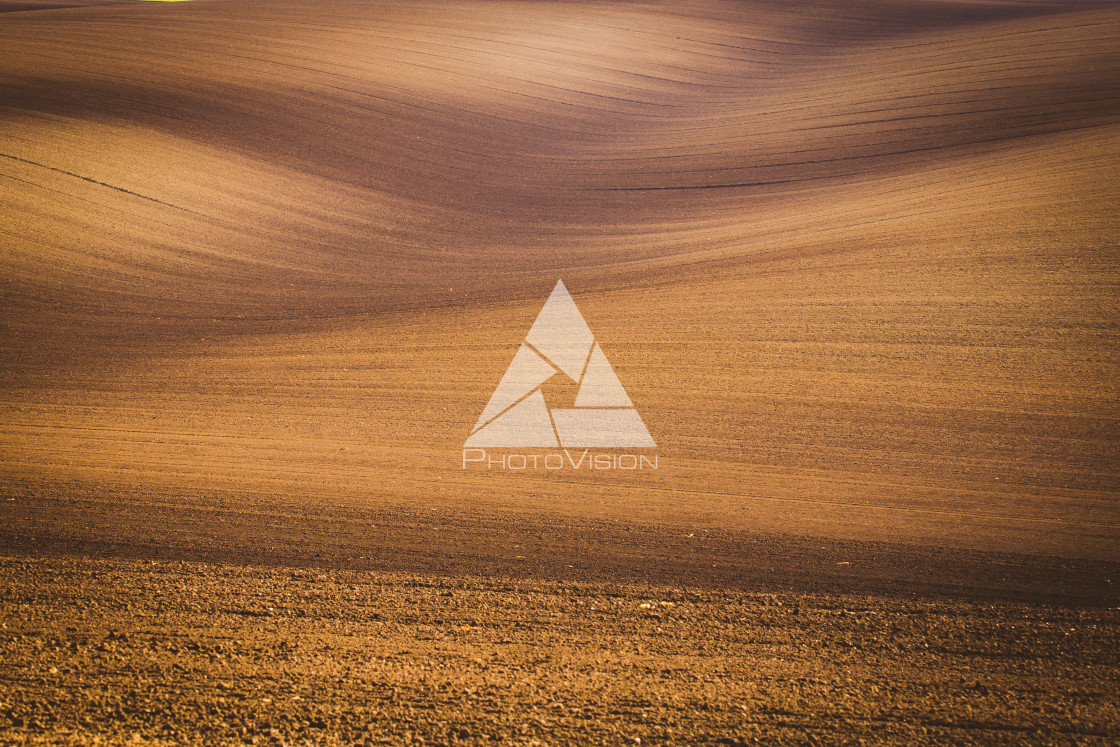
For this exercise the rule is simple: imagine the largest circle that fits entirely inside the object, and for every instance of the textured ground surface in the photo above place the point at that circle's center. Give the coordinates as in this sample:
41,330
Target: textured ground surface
855,264
262,263
185,651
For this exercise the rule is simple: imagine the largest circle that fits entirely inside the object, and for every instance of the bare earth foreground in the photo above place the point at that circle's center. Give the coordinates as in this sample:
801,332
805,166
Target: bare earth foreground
174,651
855,262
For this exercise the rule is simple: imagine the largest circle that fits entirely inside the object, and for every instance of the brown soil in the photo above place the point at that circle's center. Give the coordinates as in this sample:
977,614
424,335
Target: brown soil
172,652
262,263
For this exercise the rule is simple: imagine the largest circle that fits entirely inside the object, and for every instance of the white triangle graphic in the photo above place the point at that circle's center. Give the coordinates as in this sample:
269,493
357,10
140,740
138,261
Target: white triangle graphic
525,424
603,415
600,386
560,334
526,372
601,427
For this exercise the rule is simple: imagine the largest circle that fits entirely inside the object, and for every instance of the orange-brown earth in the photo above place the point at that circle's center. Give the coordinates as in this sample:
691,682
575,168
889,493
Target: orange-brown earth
169,652
855,263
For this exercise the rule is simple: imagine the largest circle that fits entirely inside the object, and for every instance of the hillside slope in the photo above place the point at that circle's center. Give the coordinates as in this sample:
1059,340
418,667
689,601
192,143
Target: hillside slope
855,263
